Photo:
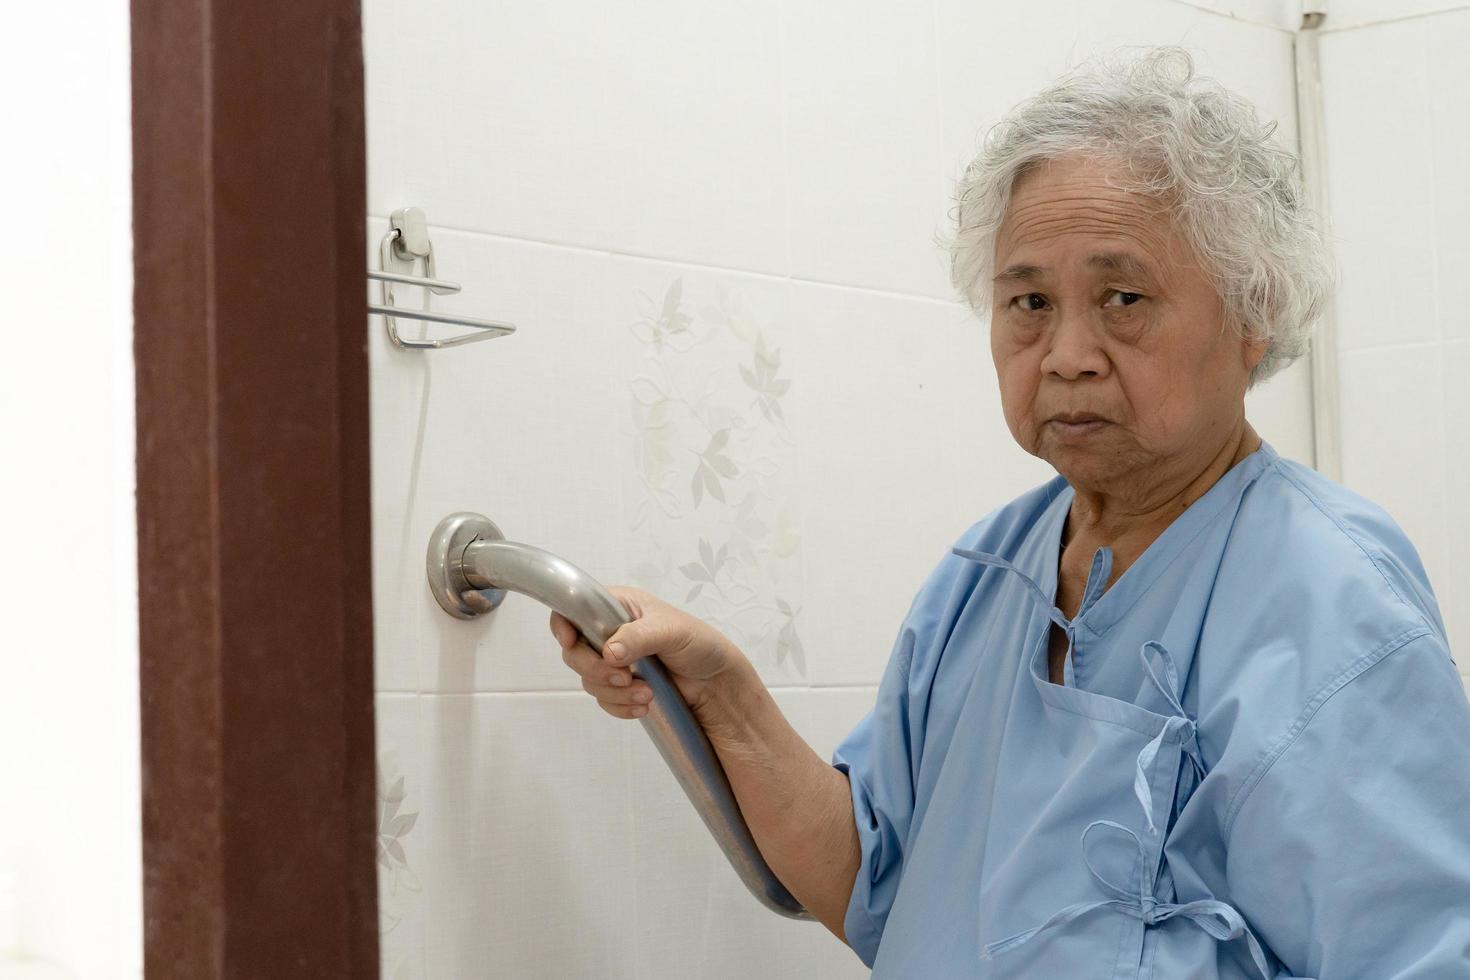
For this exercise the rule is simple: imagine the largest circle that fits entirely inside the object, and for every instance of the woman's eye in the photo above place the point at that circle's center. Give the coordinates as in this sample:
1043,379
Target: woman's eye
1031,302
1120,298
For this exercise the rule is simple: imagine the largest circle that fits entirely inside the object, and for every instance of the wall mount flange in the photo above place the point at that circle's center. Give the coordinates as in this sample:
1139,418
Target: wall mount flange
445,565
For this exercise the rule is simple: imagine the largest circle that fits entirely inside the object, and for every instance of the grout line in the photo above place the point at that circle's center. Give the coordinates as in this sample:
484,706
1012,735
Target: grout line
1327,29
1406,345
890,293
688,263
1238,20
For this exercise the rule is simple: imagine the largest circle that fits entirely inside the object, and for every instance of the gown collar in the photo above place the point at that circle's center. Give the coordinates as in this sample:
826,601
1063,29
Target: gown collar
1102,607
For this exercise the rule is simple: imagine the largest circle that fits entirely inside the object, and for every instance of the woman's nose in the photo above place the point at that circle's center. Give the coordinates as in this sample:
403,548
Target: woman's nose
1075,351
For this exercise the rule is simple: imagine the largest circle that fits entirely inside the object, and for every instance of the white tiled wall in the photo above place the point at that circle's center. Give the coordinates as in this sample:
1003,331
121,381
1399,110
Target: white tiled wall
1398,138
1352,14
713,224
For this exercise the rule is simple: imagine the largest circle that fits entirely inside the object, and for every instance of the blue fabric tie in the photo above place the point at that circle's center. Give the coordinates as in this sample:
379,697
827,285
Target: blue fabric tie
1042,598
1179,721
1218,919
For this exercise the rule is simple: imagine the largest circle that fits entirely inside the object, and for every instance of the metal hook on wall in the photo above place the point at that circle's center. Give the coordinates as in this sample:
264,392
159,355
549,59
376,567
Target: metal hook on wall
408,240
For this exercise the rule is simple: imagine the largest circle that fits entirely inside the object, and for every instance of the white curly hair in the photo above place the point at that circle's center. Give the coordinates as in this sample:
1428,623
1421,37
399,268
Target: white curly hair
1234,192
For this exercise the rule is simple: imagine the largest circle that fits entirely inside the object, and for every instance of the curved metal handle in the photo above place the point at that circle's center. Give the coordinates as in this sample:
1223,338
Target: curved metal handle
471,567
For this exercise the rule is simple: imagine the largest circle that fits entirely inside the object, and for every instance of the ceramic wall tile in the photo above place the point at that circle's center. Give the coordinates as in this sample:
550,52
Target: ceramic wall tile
1280,410
650,128
1380,167
863,144
1392,422
527,823
1347,15
1284,15
903,447
693,144
400,847
834,712
493,117
708,458
1449,80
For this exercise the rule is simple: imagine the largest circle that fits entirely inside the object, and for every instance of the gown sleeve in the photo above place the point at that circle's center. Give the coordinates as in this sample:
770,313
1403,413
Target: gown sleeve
1351,854
880,757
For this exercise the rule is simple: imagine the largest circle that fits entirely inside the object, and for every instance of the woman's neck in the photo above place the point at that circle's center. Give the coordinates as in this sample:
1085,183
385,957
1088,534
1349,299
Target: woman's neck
1128,527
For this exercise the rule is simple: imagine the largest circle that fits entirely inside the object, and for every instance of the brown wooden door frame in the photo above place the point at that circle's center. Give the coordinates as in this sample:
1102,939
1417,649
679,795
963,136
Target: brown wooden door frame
254,547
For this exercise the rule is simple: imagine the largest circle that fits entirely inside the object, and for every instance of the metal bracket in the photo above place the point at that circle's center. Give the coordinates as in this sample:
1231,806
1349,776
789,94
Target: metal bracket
407,240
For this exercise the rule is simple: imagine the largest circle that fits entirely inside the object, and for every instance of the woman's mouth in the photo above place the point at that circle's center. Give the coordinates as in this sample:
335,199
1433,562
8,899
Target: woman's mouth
1070,427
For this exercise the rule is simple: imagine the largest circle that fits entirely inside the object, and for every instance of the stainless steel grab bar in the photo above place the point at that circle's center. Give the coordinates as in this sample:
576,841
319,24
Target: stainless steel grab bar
470,568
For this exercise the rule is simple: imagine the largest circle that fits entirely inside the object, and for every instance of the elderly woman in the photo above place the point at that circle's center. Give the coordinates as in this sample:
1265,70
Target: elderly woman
1187,709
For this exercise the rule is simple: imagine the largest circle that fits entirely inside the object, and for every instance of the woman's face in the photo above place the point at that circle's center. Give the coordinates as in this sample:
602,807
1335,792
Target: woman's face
1114,359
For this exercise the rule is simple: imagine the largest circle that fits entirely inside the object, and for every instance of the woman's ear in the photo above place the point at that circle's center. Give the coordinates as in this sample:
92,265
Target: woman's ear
1254,349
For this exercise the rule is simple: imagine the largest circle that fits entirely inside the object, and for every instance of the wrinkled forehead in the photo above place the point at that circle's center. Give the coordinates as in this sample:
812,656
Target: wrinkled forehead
1083,209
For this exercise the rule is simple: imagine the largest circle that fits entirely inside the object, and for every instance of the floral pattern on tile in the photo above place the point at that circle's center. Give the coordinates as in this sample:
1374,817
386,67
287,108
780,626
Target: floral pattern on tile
711,499
399,886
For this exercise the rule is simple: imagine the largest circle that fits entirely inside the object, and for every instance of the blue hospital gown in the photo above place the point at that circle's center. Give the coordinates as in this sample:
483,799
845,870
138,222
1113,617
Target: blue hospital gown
1258,764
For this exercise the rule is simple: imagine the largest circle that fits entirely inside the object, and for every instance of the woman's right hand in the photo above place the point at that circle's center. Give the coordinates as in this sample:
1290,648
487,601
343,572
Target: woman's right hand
696,655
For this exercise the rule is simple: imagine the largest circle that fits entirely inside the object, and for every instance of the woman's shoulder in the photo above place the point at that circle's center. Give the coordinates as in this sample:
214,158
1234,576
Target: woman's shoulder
1316,585
1317,588
1338,554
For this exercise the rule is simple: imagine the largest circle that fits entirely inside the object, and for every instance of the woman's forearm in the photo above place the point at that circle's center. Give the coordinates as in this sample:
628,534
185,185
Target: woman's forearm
798,807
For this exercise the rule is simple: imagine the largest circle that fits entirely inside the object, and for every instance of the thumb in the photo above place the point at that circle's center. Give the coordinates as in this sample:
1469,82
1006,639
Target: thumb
643,637
649,631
